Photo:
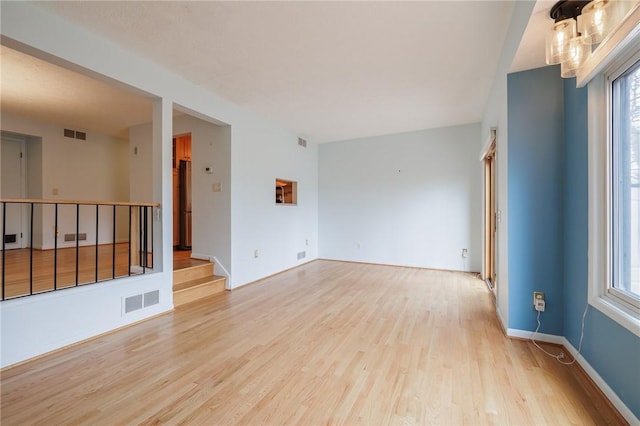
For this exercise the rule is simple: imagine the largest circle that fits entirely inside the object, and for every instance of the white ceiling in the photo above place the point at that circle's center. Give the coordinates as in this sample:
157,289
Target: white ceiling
530,53
325,70
45,92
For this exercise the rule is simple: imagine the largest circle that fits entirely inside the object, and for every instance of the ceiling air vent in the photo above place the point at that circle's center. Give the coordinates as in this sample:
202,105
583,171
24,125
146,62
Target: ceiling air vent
81,135
302,142
68,133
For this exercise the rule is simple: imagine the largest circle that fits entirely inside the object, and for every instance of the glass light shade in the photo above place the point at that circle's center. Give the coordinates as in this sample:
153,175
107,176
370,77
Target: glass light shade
557,43
593,24
576,55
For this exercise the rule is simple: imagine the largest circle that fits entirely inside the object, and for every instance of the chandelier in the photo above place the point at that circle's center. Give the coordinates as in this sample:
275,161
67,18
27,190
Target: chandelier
578,25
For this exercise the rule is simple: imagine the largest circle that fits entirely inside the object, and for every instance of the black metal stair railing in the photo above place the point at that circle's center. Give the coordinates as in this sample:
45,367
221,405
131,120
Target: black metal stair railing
26,270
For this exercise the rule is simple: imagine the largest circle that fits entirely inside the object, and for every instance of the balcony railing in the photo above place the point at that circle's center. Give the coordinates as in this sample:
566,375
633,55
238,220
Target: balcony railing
50,245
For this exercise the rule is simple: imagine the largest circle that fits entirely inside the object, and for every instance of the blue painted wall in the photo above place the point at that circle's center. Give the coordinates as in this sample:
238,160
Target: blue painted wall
620,368
548,225
535,186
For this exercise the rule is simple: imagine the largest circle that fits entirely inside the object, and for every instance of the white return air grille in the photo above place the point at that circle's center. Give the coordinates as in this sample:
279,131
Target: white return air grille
140,301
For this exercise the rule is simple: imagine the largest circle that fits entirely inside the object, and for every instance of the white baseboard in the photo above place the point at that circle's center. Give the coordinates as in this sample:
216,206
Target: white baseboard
593,374
224,271
502,322
540,337
200,256
604,387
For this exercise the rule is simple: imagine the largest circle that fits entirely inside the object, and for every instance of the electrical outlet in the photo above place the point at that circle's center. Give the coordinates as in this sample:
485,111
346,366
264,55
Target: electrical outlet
465,252
537,295
255,253
538,301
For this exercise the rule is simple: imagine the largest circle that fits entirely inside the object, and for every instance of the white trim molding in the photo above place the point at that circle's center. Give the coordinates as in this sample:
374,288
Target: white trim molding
487,145
624,35
599,205
591,372
540,337
224,271
600,383
217,263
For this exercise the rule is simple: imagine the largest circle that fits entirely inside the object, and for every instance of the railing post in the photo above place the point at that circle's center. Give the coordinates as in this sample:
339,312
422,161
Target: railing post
140,242
145,209
4,223
31,251
113,246
77,242
97,227
134,238
55,248
152,255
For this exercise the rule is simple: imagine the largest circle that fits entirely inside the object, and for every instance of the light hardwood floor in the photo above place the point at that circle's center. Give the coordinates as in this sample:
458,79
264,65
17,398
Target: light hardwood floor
328,342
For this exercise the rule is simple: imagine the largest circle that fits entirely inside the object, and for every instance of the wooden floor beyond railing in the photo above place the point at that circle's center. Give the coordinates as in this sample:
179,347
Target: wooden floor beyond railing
69,263
17,268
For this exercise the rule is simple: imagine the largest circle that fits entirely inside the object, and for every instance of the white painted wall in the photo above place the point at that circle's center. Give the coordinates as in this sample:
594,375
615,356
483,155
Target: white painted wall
260,152
405,199
34,183
495,115
141,163
38,324
95,169
211,211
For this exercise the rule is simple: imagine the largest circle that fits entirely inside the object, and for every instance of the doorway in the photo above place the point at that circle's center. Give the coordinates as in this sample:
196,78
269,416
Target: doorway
13,186
490,215
182,229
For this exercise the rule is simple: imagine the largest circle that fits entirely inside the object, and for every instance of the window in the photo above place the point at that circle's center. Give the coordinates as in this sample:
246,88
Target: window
625,186
614,190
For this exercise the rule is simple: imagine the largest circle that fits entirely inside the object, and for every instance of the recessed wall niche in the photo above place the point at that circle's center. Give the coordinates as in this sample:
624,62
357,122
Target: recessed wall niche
286,192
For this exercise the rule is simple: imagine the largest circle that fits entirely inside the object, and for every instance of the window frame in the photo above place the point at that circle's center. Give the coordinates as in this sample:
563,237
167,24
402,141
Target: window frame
613,302
633,62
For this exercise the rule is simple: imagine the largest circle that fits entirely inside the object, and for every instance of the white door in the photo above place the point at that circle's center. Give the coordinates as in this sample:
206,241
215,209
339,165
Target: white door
12,187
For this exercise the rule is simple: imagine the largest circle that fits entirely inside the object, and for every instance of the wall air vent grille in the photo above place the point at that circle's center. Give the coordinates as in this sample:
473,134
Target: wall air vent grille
302,142
132,303
151,298
72,237
75,134
140,301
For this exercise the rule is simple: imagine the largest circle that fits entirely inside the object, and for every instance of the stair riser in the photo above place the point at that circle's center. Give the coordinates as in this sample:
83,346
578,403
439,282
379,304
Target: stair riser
194,293
195,272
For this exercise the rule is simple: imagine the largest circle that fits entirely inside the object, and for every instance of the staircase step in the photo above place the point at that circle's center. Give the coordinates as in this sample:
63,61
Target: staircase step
192,283
198,289
192,273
